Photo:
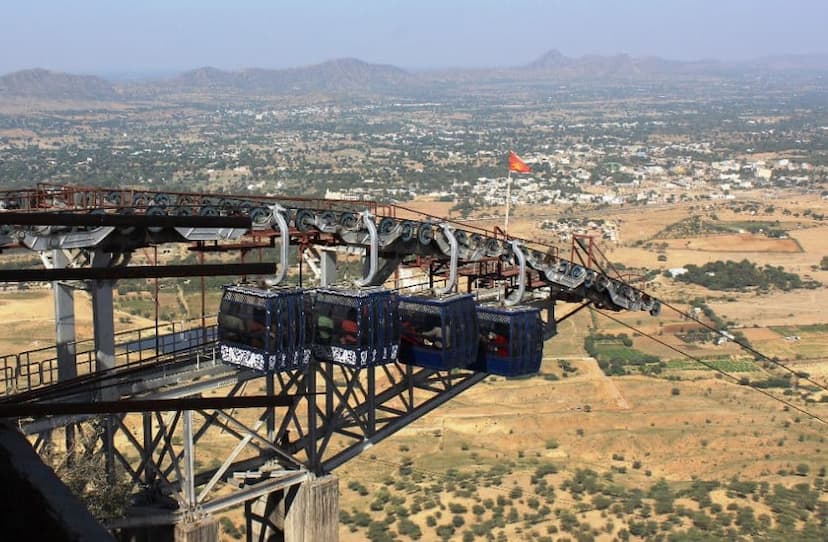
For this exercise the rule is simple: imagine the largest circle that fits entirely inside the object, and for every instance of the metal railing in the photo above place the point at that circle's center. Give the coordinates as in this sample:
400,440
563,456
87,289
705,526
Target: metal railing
38,368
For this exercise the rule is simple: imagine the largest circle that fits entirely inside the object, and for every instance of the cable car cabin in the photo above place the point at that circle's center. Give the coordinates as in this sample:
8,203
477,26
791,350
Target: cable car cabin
511,340
263,329
356,328
439,332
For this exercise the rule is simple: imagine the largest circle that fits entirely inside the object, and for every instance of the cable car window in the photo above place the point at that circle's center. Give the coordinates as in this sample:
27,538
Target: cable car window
263,329
356,328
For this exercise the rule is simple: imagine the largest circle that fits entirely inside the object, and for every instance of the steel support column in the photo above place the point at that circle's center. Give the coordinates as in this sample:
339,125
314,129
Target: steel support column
188,481
310,389
103,319
327,266
64,335
64,321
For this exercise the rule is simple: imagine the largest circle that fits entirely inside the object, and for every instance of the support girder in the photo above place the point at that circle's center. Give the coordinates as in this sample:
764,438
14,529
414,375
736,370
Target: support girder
118,219
157,451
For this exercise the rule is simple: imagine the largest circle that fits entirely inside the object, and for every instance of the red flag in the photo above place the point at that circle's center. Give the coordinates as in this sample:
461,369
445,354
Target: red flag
517,165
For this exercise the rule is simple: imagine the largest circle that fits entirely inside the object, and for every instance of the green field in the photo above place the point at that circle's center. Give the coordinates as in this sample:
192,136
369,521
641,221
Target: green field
727,365
787,331
626,355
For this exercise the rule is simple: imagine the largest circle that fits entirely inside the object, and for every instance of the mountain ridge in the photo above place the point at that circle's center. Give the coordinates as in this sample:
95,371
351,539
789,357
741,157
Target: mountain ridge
43,83
355,76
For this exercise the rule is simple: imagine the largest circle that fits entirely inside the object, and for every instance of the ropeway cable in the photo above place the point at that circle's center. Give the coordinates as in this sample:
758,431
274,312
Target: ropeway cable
721,333
713,367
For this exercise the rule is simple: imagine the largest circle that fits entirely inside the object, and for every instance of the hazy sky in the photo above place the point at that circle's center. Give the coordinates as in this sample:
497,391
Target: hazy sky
106,36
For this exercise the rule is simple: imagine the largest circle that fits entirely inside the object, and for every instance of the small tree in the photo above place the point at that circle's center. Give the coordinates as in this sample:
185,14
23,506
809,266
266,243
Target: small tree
83,471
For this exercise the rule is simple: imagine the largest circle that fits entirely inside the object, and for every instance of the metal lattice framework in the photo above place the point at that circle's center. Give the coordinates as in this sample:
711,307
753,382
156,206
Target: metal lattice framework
339,412
320,416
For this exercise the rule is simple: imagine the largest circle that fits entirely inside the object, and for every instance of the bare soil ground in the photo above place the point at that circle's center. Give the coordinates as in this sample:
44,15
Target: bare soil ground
742,243
29,319
710,430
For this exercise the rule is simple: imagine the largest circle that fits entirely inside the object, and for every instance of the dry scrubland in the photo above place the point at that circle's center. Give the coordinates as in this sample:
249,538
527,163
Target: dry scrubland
573,453
685,425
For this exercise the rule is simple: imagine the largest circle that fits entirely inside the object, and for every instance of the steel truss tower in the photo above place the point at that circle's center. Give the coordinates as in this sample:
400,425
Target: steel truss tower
265,452
193,445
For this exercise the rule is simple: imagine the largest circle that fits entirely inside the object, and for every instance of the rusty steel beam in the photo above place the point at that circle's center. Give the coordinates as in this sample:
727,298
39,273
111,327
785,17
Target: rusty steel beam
229,247
137,272
122,220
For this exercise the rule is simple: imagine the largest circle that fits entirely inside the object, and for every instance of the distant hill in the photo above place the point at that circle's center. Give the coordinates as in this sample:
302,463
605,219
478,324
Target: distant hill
626,67
619,66
355,77
346,75
40,83
550,60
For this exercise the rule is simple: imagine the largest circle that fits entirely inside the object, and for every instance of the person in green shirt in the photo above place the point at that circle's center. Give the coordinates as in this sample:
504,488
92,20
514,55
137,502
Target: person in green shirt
324,328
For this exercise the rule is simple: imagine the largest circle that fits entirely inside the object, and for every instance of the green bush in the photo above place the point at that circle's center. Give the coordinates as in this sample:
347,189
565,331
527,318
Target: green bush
408,528
732,275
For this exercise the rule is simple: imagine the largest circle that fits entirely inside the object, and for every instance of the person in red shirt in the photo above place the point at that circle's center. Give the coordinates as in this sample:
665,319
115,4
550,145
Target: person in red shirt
498,344
350,329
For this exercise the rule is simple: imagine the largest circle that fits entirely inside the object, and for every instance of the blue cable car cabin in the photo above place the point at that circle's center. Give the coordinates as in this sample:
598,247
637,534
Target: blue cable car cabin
439,332
356,328
263,329
511,340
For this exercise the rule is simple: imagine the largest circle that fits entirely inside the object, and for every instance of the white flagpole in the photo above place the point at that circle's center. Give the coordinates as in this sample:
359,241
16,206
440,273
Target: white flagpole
508,202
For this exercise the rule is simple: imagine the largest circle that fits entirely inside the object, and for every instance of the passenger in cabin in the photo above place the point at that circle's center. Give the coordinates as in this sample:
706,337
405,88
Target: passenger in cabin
409,333
433,333
349,329
422,331
256,320
256,328
498,344
324,327
231,326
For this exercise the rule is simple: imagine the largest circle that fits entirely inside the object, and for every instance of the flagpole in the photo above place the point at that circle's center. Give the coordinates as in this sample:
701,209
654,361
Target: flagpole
508,202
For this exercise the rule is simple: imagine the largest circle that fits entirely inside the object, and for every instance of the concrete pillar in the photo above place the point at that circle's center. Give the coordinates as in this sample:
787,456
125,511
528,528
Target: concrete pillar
307,512
203,530
312,515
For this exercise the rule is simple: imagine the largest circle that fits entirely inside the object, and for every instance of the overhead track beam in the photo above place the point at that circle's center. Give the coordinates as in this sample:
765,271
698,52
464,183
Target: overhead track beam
123,220
137,272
